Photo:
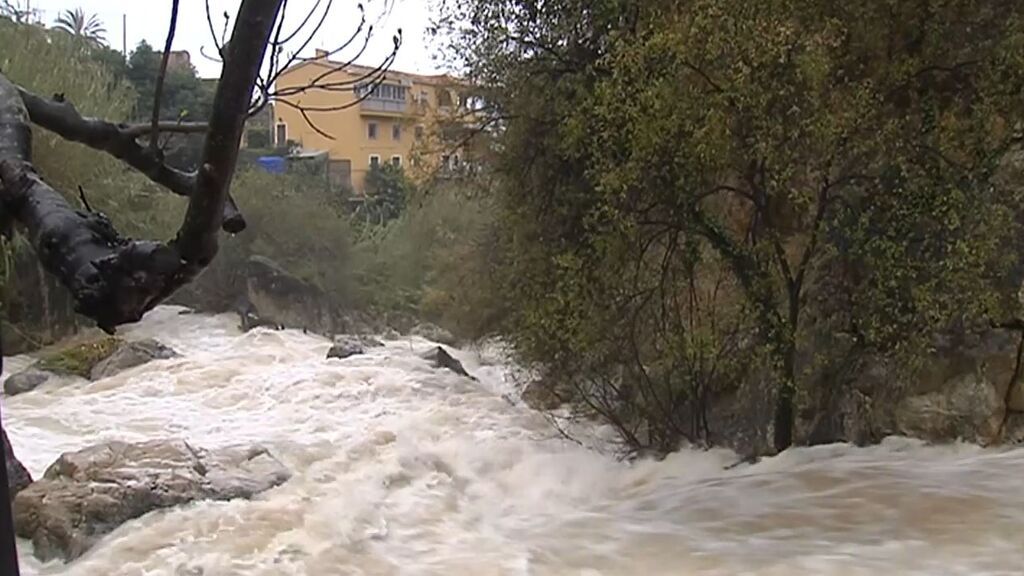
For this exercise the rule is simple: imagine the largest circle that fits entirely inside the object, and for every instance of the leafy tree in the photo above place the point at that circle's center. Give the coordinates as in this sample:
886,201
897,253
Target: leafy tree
820,167
387,190
185,96
77,23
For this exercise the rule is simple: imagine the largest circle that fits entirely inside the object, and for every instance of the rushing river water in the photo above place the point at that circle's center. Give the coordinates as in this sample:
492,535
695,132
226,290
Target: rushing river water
404,469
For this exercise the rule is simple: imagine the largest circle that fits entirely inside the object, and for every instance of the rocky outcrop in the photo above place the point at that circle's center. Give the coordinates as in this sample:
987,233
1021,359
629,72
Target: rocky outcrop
442,359
434,333
26,381
86,494
348,346
280,298
965,390
18,477
130,355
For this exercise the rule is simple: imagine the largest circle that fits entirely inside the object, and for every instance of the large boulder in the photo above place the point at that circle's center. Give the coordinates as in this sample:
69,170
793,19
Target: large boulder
279,298
27,380
348,346
343,350
87,494
964,390
18,477
130,355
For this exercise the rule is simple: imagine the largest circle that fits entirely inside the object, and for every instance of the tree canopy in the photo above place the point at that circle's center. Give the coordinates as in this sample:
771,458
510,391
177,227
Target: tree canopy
702,176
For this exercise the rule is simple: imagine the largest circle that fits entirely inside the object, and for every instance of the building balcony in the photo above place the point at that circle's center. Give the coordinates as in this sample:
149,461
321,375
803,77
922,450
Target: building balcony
383,106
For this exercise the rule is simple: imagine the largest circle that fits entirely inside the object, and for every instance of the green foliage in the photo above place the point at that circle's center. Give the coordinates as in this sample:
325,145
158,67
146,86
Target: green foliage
433,260
686,185
387,191
185,96
79,359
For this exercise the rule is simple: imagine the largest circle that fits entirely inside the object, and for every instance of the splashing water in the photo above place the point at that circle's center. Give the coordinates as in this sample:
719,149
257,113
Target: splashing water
401,468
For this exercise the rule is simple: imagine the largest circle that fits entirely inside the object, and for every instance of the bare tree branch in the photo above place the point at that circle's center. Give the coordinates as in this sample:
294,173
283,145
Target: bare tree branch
243,58
158,93
120,142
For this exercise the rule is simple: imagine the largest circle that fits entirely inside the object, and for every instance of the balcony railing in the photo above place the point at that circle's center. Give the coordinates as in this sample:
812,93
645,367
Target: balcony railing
383,105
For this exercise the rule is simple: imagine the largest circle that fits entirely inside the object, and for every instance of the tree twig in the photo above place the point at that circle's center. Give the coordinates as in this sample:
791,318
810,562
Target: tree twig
155,132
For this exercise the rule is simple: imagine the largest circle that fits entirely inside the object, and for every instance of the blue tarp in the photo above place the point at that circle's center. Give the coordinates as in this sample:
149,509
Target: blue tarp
272,164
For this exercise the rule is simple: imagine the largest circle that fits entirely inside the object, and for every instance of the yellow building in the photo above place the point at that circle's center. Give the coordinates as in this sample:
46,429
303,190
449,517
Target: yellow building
396,123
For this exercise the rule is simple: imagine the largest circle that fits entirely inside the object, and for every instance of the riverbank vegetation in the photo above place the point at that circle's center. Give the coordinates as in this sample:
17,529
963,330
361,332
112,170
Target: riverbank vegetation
706,222
747,200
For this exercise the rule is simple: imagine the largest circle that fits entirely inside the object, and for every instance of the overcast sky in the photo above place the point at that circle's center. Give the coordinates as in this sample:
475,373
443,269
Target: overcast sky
148,19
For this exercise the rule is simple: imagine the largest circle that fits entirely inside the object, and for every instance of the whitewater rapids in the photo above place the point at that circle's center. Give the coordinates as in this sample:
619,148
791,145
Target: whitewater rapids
401,468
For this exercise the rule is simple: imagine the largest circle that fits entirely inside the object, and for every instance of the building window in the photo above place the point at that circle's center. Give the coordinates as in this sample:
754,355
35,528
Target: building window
374,161
419,132
396,131
281,134
396,161
371,130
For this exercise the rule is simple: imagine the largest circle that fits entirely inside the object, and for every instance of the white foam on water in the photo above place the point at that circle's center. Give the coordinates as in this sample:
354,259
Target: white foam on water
401,468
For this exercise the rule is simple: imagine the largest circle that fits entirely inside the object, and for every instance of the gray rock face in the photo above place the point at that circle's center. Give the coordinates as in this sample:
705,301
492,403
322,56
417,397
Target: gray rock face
966,390
442,359
131,355
434,333
27,380
87,494
18,477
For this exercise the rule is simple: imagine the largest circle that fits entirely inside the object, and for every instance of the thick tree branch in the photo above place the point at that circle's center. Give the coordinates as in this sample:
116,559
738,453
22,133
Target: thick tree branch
243,58
112,279
64,119
137,130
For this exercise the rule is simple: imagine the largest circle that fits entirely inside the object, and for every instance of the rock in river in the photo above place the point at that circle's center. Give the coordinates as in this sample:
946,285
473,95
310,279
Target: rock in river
18,477
130,355
87,494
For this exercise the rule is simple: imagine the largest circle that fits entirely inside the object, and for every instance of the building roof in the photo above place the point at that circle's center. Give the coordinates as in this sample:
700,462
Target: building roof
322,61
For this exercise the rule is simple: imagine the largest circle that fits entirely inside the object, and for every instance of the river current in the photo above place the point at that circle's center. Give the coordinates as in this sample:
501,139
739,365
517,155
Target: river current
401,468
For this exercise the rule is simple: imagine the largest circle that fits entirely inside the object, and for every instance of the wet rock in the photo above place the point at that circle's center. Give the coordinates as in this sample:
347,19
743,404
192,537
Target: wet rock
27,380
18,477
130,355
345,350
968,408
1014,431
348,346
87,494
433,332
442,359
80,358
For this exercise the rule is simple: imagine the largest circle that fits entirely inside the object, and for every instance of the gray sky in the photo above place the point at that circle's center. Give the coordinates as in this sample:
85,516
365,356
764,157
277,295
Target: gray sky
148,19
